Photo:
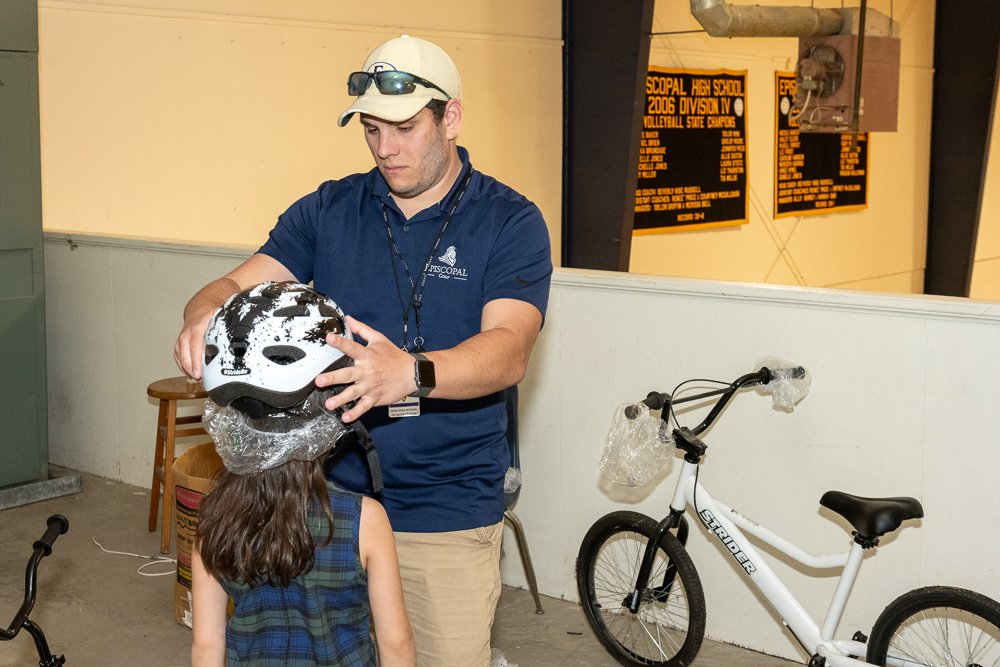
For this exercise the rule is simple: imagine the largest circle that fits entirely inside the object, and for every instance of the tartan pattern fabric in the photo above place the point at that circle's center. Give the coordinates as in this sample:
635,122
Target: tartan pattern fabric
322,618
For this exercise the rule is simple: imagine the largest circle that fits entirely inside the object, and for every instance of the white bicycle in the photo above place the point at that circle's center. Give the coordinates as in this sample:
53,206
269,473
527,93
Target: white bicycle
643,598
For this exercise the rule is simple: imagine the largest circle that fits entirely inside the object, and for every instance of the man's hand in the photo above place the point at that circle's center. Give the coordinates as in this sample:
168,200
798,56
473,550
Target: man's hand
189,350
382,373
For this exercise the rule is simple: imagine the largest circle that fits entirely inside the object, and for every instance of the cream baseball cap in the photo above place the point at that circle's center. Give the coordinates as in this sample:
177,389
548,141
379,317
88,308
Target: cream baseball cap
415,56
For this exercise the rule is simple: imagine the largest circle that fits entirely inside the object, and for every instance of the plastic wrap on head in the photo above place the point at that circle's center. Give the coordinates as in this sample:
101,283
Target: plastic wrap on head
249,445
635,449
789,382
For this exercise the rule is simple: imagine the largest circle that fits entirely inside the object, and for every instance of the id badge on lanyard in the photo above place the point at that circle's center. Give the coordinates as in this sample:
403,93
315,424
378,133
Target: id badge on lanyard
408,406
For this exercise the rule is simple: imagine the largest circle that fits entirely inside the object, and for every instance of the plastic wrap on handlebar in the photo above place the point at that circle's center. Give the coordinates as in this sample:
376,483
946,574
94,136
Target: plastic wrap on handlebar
787,383
794,373
57,525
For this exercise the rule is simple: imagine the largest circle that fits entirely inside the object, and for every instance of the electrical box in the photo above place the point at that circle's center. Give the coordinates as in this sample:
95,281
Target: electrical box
826,81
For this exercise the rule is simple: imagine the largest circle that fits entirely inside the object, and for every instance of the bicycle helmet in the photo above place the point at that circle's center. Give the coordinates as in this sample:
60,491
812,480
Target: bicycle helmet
266,345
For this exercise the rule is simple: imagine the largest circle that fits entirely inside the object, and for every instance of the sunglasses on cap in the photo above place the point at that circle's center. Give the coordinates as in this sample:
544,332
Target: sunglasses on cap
388,82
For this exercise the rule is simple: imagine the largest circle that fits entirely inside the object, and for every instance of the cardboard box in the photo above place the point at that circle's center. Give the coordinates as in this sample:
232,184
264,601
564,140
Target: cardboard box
193,474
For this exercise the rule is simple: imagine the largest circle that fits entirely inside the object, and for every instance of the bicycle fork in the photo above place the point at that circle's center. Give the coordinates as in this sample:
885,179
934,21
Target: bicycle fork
694,449
675,519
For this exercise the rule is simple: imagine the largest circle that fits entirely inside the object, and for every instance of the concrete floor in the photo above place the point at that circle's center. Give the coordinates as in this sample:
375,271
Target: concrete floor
98,611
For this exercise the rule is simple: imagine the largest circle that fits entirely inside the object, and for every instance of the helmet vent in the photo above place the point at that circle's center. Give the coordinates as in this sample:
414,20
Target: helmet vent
238,348
283,355
211,351
298,310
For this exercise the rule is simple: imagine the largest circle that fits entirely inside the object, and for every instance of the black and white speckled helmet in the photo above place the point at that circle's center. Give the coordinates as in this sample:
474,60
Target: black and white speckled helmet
266,345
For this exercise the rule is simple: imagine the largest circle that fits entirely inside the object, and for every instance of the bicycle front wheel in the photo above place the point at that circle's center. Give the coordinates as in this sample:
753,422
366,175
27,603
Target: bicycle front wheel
670,624
937,626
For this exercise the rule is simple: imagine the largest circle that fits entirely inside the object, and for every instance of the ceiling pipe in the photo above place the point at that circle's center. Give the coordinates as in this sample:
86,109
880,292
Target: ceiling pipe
720,19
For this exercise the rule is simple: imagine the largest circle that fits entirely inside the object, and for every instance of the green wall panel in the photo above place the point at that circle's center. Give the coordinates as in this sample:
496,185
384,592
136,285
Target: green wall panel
23,403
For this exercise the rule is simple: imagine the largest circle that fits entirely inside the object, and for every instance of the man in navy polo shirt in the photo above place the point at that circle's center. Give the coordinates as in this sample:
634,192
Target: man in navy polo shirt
445,274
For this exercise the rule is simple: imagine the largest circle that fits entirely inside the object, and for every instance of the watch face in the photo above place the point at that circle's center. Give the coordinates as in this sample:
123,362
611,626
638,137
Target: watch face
425,373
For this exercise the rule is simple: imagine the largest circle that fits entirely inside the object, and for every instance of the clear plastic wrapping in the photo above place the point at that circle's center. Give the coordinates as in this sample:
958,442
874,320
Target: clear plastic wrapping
498,659
512,480
635,449
249,445
785,389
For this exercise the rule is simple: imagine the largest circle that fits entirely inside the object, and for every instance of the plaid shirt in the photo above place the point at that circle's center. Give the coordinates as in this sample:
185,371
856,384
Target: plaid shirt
322,618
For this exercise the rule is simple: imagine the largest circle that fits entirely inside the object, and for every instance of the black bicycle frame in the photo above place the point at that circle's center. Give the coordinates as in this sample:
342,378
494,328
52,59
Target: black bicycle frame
56,526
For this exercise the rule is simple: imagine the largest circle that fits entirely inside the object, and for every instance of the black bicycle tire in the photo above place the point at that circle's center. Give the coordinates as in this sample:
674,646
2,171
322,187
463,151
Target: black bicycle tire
886,630
603,530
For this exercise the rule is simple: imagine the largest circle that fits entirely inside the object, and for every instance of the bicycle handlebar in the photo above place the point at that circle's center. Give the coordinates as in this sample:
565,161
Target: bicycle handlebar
56,524
794,373
658,401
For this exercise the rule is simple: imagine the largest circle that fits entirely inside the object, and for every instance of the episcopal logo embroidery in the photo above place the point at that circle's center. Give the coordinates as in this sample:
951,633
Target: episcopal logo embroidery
449,257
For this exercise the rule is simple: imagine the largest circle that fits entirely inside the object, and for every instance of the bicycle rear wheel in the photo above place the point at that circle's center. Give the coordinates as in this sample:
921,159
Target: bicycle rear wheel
938,626
670,624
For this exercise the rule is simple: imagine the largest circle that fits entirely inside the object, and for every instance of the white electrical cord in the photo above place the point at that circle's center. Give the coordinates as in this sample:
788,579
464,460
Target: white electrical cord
154,559
805,106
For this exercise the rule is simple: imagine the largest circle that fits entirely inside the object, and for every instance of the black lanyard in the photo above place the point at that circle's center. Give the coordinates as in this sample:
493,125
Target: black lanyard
417,290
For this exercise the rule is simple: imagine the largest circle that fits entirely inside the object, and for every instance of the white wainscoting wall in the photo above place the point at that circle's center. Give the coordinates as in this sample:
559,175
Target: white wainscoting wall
902,403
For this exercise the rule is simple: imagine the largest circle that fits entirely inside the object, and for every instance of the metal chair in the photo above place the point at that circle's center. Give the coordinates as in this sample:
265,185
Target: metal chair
509,499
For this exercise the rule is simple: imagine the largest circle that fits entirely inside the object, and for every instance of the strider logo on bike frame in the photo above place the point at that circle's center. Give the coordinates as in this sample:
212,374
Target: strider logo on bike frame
713,525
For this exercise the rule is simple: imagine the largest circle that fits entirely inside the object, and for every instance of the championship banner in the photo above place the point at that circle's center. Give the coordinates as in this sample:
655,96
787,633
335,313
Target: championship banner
815,172
693,151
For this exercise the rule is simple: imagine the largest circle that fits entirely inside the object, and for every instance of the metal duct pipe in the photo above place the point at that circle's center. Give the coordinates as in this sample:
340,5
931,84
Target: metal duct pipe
722,20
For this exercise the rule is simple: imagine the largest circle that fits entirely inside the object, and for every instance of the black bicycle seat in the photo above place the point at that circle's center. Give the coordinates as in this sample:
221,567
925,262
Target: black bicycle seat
872,517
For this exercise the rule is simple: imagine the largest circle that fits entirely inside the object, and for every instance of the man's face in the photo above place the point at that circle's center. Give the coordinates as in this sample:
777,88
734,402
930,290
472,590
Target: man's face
412,155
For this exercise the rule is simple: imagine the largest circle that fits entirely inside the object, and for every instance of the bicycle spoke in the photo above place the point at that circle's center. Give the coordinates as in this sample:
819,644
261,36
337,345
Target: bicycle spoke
934,639
653,631
664,629
649,635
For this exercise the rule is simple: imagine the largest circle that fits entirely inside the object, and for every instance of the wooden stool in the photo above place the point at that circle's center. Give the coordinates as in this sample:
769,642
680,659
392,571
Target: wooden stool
169,391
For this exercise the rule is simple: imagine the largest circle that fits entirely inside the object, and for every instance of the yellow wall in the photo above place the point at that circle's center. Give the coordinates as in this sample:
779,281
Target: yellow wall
881,248
986,267
199,121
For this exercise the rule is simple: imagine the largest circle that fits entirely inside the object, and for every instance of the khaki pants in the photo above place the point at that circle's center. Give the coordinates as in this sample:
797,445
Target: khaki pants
451,582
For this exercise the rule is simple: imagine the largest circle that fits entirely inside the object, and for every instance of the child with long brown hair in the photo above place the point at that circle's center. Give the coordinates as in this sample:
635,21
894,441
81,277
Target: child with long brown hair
311,568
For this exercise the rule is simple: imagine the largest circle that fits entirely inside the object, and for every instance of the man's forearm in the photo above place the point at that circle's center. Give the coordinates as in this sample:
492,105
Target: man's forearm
495,358
488,362
210,297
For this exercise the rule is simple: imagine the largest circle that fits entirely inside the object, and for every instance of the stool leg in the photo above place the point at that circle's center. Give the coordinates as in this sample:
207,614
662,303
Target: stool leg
154,488
168,478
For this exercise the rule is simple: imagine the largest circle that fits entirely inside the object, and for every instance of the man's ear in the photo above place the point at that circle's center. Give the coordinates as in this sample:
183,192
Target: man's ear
453,119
